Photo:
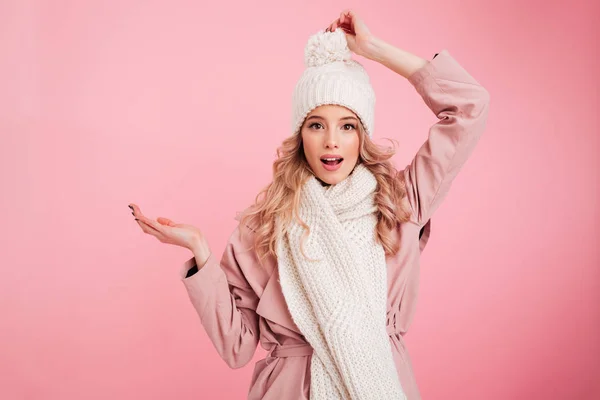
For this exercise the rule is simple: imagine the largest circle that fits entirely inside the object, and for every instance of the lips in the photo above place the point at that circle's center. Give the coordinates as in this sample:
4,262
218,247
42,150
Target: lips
331,162
331,159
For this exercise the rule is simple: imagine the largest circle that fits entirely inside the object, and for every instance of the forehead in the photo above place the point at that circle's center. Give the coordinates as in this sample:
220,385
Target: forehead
331,111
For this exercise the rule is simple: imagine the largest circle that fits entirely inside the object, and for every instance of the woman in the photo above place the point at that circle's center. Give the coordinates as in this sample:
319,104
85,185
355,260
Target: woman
323,269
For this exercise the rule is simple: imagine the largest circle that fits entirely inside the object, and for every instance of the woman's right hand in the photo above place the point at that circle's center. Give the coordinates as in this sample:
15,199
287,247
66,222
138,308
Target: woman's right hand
167,231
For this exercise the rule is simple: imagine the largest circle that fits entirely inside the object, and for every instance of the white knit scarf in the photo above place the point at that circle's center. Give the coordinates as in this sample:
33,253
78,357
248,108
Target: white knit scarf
339,301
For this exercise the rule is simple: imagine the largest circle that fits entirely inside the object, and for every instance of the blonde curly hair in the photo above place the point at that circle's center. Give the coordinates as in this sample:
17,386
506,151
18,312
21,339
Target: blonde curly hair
291,170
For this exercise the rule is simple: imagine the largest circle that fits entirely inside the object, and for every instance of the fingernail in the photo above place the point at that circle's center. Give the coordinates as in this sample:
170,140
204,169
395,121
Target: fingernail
130,207
137,219
132,213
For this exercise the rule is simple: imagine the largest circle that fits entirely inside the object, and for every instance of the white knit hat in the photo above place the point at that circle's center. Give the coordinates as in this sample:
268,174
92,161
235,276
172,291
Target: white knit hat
332,77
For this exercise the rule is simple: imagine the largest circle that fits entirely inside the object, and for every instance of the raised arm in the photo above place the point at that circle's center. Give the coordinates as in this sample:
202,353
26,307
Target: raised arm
455,97
461,104
225,301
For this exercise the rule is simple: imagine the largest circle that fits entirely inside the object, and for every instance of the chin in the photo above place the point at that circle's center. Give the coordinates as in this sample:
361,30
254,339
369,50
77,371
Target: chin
333,178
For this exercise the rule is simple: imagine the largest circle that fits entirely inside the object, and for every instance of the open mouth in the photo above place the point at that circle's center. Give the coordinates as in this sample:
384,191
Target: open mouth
332,161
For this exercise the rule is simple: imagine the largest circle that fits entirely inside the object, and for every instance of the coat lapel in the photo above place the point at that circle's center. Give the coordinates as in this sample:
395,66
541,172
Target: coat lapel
272,304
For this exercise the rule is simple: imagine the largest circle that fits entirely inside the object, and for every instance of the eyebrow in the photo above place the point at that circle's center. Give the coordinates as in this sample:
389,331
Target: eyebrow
341,119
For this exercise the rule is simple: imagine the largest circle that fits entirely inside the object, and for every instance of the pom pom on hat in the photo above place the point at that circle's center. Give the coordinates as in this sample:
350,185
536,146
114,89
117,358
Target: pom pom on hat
326,47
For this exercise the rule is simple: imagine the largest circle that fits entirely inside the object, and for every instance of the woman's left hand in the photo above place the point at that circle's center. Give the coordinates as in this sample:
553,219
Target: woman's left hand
357,34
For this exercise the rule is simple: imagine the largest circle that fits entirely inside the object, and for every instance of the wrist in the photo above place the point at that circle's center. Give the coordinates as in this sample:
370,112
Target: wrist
400,61
374,48
201,252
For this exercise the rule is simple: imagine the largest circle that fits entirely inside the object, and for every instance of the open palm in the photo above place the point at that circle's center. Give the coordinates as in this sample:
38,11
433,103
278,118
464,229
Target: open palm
167,231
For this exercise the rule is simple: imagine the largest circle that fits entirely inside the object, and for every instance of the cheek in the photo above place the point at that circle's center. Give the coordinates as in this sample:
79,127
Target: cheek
352,146
310,148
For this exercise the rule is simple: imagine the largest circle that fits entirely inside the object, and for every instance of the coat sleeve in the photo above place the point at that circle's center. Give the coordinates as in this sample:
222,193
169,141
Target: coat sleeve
461,104
225,302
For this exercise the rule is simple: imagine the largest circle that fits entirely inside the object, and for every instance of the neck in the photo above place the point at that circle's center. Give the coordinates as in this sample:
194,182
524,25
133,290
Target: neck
322,182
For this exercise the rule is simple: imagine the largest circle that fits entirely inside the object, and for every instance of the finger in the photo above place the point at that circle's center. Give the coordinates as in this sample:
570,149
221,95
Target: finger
138,214
344,16
135,210
149,230
146,220
356,21
153,224
329,27
334,25
351,23
165,221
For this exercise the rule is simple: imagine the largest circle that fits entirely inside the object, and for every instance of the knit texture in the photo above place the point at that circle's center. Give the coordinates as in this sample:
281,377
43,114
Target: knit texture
338,301
331,76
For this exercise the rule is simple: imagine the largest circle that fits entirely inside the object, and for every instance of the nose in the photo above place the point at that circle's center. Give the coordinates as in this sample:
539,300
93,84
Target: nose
331,141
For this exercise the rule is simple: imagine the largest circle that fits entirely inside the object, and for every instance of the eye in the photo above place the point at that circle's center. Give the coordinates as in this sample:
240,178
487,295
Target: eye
352,125
313,124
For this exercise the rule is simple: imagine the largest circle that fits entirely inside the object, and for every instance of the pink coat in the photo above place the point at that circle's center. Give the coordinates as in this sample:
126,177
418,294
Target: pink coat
241,303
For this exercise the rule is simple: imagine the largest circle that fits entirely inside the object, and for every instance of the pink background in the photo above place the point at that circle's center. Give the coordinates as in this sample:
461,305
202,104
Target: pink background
179,107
